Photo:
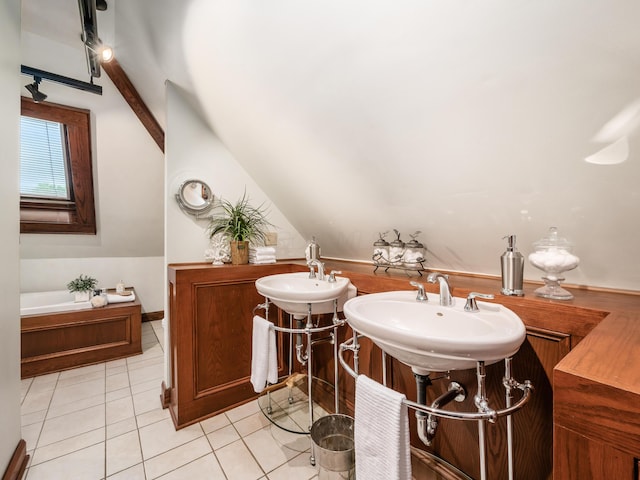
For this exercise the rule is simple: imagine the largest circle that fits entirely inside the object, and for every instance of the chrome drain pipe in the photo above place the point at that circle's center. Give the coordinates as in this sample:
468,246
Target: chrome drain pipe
427,424
456,392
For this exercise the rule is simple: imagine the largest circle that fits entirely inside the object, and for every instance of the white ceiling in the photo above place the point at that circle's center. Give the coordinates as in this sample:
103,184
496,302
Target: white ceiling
465,120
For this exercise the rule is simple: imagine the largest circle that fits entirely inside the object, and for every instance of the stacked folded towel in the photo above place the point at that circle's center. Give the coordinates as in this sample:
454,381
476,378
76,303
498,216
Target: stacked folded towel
129,296
262,254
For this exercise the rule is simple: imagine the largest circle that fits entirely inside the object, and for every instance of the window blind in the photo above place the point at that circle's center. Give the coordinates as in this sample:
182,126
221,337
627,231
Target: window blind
43,159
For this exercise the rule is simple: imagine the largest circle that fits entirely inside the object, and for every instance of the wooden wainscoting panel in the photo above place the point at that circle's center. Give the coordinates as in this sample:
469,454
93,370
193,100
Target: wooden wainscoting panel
222,331
211,322
58,341
152,316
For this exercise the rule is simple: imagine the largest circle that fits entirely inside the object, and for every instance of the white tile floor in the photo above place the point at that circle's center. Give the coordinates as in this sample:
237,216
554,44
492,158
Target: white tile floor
105,422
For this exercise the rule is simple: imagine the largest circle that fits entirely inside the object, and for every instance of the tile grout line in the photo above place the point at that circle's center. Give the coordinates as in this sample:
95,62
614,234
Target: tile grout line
46,414
135,418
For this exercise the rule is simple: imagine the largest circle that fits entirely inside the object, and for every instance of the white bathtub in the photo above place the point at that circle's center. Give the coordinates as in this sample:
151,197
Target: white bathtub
36,303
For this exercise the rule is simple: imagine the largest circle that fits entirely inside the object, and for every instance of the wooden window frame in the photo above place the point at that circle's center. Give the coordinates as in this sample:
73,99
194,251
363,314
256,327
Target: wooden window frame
75,216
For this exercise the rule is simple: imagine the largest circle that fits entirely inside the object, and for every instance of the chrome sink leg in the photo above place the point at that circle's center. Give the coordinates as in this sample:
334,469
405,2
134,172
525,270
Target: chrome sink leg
312,458
507,381
334,339
482,403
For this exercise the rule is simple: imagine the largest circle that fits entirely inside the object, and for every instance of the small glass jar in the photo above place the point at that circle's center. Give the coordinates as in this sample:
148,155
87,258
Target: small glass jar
553,256
381,251
396,252
414,254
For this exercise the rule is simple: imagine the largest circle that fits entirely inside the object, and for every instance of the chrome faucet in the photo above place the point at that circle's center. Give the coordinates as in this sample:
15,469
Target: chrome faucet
445,292
320,265
421,297
332,276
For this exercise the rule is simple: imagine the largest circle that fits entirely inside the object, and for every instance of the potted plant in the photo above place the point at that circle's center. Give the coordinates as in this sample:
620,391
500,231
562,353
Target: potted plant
82,287
241,224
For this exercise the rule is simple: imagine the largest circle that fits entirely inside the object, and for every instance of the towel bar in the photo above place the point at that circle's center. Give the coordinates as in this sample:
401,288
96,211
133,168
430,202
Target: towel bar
483,414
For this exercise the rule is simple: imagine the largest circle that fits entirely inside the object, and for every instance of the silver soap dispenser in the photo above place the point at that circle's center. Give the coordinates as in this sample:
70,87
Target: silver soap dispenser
512,266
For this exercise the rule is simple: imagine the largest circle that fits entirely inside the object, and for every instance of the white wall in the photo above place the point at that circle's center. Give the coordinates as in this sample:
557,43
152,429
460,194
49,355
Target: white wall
128,182
9,219
465,120
459,119
194,151
144,273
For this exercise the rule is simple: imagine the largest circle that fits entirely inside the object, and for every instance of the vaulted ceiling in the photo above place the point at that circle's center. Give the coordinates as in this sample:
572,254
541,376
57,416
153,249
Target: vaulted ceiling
465,120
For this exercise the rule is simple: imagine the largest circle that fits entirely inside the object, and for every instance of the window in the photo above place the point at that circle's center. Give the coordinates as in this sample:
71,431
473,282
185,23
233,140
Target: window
56,181
43,159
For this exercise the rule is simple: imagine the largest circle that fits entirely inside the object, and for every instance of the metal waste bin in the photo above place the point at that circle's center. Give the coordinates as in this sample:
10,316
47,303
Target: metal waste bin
332,443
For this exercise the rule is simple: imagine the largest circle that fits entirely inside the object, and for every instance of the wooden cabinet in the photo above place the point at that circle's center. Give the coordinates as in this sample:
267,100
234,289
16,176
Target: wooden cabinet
211,321
583,419
597,404
581,458
551,333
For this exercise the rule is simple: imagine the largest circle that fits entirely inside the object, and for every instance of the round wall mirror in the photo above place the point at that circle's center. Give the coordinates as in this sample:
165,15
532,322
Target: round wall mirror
194,197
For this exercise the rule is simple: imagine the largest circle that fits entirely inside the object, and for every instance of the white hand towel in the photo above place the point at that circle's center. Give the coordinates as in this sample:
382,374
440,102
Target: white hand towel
115,298
381,432
260,250
264,357
269,259
262,256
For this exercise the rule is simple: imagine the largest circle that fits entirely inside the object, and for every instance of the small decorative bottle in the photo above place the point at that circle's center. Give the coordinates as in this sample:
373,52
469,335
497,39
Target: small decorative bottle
381,250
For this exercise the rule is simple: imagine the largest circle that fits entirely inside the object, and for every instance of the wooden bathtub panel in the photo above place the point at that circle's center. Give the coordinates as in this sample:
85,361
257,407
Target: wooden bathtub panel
59,341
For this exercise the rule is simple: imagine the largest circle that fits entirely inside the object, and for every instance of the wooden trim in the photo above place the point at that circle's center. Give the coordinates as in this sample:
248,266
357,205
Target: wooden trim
153,316
133,98
77,216
18,463
165,395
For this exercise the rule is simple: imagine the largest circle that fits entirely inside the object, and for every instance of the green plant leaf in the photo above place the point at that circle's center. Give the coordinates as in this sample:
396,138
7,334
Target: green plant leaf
240,221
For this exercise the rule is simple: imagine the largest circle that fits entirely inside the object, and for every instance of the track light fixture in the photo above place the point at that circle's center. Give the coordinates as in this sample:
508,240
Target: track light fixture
104,52
39,75
36,94
96,52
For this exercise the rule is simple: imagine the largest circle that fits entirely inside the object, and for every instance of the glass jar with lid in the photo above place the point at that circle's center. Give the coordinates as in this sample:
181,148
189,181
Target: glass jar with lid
553,255
381,250
414,253
396,250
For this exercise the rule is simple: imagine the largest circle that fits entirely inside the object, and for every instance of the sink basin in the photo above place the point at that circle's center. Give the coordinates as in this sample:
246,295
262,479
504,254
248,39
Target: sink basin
432,338
293,291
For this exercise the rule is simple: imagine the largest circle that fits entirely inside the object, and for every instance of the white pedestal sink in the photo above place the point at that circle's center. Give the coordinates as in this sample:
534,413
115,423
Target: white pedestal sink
432,338
292,292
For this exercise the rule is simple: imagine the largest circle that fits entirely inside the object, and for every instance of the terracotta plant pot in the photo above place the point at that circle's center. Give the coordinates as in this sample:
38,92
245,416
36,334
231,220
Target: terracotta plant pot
239,252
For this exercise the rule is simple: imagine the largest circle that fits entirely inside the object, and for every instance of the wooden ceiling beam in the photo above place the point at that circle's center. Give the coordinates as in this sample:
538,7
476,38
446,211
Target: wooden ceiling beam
133,98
